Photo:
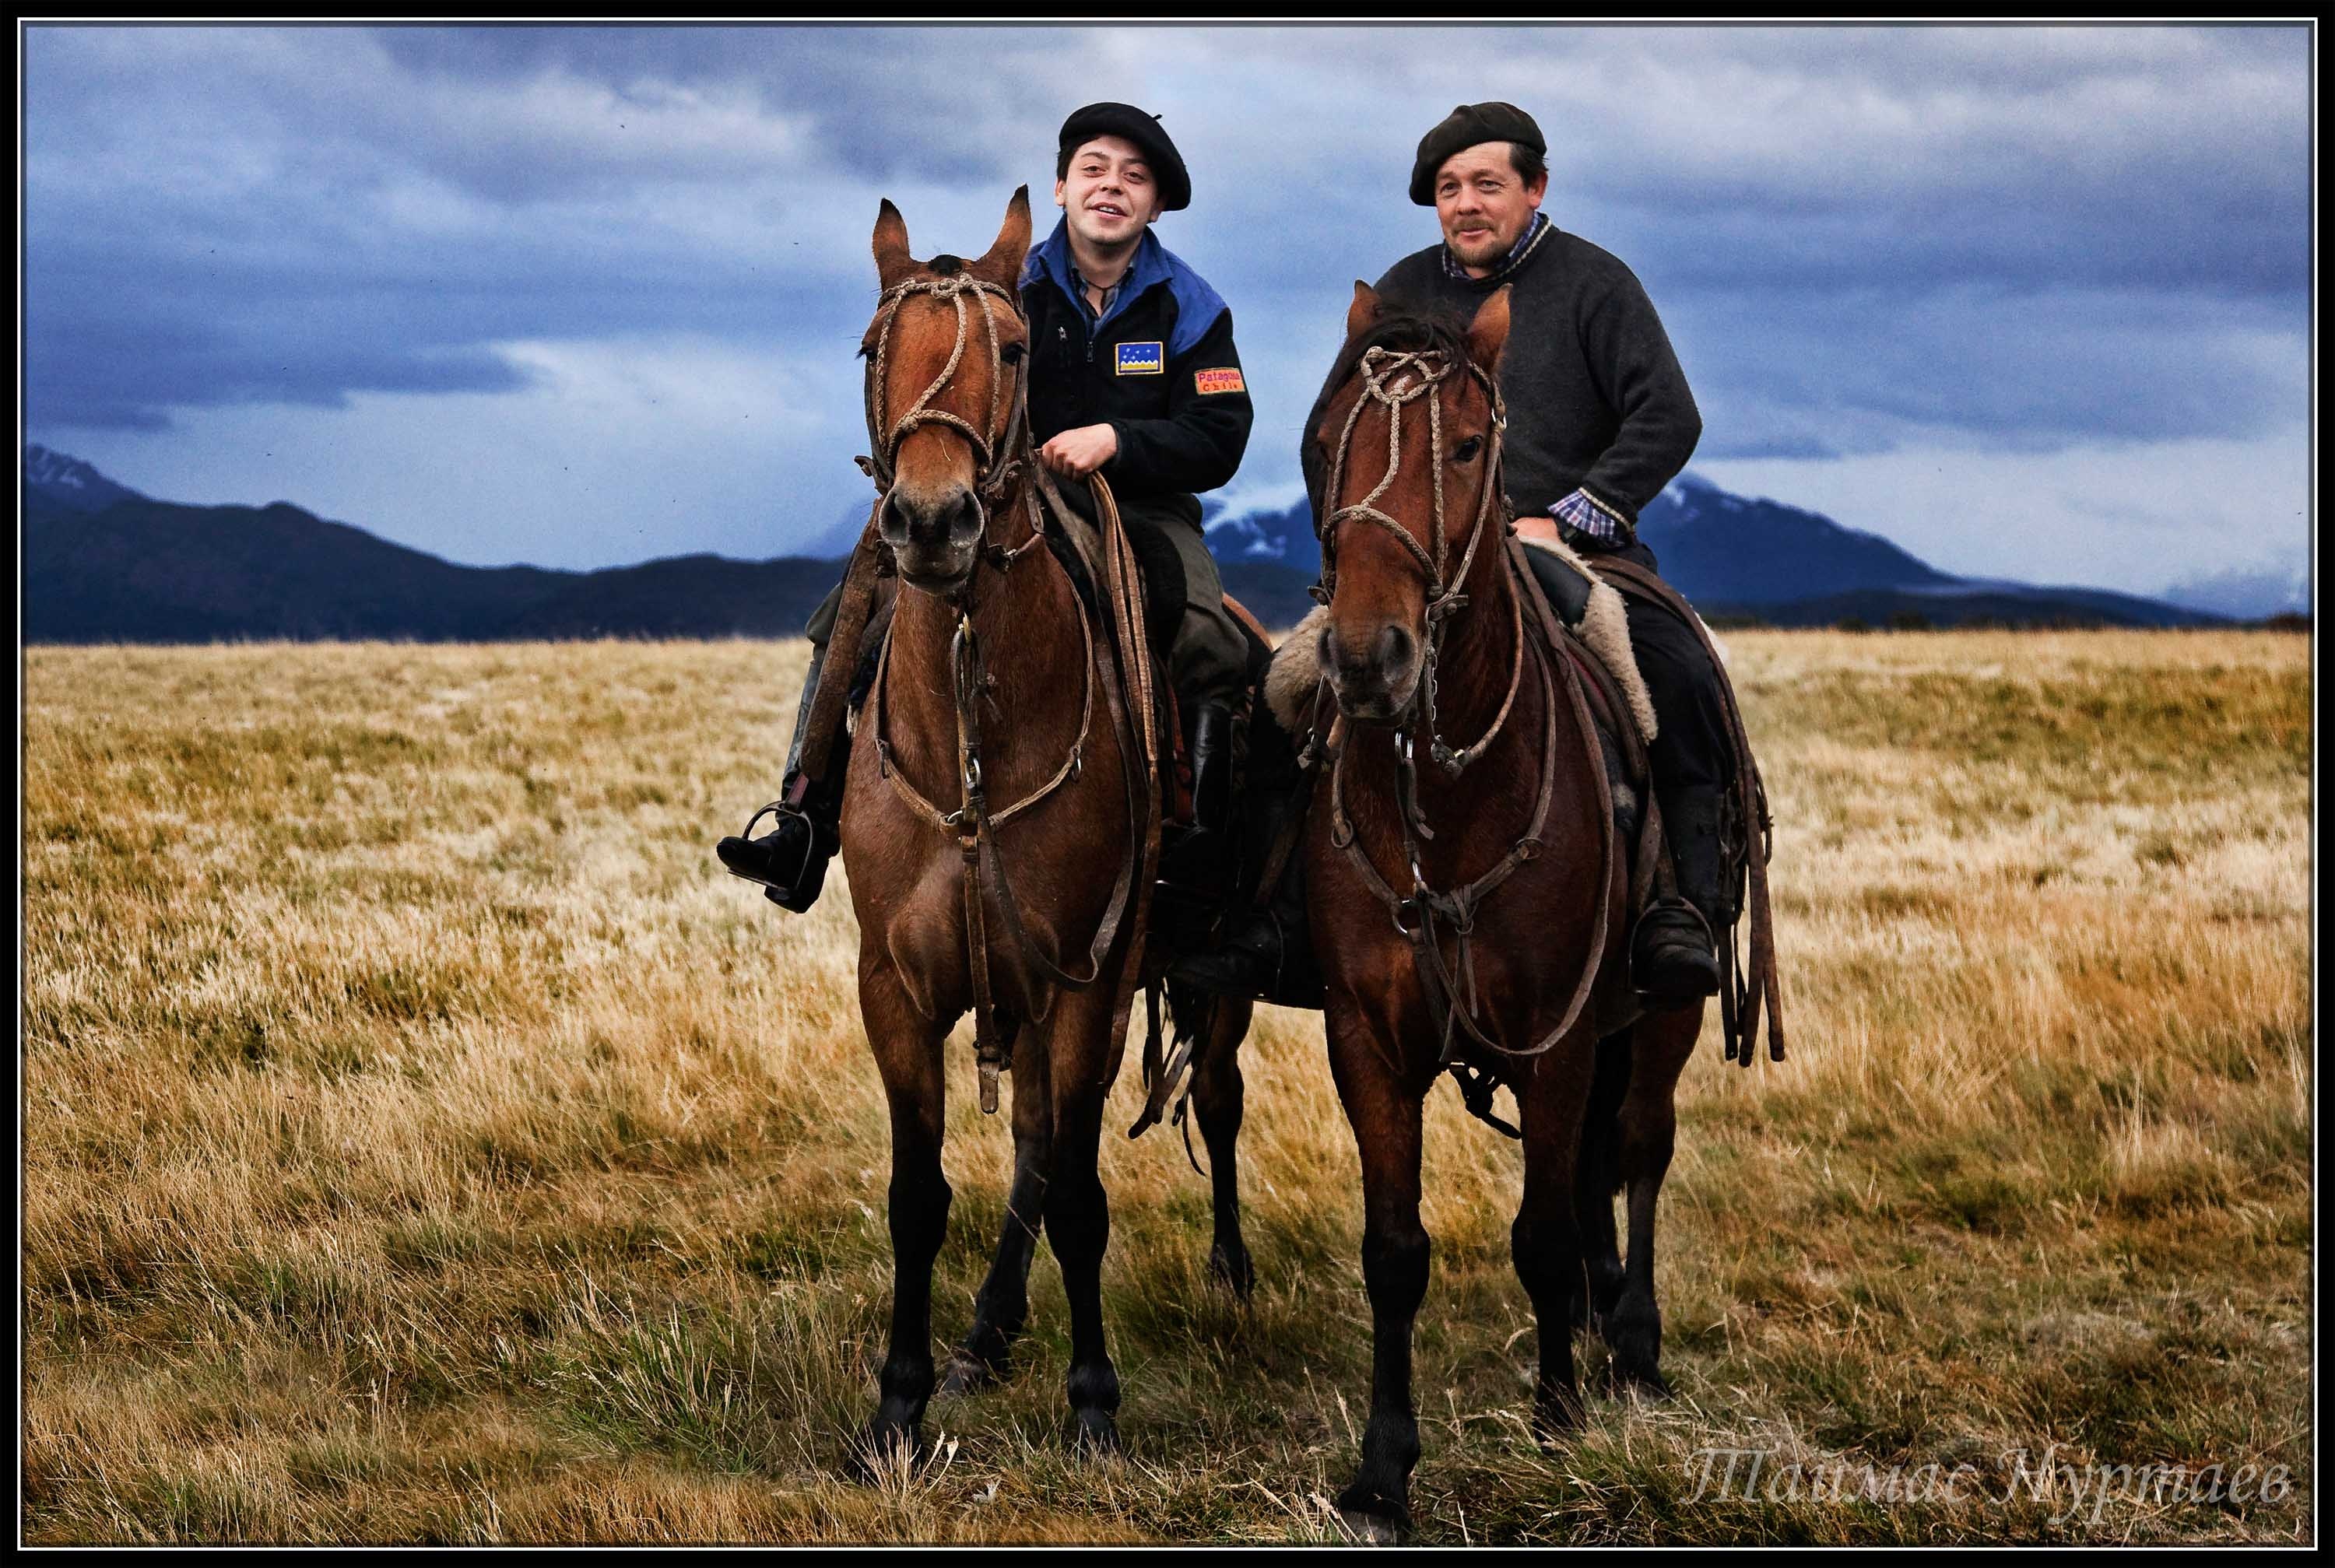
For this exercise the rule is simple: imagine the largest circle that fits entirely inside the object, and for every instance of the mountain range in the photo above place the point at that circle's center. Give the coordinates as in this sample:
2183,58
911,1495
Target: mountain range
1761,560
102,563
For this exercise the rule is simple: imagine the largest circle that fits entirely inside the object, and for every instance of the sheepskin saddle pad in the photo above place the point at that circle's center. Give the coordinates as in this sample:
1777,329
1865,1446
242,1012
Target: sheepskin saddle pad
1590,608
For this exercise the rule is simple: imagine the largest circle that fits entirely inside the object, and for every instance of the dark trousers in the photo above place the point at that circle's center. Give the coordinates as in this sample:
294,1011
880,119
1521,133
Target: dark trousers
1691,745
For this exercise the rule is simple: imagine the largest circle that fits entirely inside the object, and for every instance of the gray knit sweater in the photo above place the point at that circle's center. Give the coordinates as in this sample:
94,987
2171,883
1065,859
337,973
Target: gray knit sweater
1596,397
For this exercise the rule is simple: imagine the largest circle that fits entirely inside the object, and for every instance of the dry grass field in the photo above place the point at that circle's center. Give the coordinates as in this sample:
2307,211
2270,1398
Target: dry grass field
423,1140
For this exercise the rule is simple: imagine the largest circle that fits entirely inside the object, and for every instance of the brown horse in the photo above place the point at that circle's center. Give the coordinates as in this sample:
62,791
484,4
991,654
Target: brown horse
998,827
1466,888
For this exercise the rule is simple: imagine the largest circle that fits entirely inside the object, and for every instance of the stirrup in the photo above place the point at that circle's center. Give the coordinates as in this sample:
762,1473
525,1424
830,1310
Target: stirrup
777,811
1670,908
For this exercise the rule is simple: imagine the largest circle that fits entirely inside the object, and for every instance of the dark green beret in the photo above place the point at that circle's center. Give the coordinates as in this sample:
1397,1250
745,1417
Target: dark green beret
1143,130
1464,128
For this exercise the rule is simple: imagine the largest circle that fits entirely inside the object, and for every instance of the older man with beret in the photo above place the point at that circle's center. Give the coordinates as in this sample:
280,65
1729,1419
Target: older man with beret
1600,420
1133,374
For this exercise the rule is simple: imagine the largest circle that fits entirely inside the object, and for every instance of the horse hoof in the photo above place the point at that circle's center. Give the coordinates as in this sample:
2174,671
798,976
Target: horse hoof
1230,1267
1555,1420
1095,1436
884,1450
1372,1512
968,1374
1643,1378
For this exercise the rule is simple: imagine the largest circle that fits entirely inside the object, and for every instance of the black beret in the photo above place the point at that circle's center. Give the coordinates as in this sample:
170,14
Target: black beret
1464,128
1143,130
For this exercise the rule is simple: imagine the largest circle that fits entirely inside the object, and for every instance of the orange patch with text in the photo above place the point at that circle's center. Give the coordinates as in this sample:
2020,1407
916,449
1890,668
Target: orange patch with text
1218,381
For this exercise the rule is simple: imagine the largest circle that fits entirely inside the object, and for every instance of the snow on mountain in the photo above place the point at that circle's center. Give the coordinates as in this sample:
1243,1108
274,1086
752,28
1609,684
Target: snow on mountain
71,482
2246,593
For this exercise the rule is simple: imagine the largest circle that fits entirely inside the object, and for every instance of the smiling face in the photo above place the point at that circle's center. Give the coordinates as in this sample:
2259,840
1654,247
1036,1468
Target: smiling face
1107,193
1484,204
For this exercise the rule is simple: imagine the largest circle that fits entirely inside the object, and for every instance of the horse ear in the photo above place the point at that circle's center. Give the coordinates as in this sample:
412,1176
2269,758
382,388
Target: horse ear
1003,263
892,257
1487,334
1363,312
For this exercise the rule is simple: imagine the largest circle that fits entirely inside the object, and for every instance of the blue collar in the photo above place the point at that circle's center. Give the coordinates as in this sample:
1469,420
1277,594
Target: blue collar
1198,306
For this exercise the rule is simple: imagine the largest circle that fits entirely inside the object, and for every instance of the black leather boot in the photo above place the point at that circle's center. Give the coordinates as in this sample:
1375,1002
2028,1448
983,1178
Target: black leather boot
1203,858
1673,952
1264,952
791,860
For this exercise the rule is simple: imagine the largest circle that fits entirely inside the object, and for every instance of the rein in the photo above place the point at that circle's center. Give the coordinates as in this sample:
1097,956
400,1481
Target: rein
1393,379
974,823
992,478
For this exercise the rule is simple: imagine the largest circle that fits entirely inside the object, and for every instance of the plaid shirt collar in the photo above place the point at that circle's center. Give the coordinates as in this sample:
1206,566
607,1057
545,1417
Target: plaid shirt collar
1518,254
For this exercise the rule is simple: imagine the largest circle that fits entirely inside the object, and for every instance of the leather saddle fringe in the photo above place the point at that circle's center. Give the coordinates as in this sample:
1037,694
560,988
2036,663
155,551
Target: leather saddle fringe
1744,988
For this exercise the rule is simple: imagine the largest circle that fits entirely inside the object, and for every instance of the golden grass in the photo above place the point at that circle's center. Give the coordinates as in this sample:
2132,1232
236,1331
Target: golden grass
424,1141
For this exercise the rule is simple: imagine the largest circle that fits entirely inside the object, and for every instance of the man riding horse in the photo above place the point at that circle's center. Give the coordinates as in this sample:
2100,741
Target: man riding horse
1132,374
1600,420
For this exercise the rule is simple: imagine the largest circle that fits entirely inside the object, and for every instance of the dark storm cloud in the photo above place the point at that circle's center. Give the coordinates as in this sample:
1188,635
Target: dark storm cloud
2017,236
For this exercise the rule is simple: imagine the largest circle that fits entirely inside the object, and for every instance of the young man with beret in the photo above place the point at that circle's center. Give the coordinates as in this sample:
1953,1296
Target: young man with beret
1133,374
1600,420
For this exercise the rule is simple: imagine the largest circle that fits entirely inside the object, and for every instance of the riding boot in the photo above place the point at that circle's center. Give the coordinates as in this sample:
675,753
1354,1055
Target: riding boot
791,860
1265,951
1673,957
1203,858
1266,948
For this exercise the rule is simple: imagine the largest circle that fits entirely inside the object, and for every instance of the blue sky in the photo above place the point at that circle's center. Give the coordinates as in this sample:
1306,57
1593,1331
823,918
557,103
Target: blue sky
2033,302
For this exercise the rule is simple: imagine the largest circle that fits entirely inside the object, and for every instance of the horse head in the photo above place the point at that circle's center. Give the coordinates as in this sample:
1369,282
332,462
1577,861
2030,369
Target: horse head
946,355
1411,429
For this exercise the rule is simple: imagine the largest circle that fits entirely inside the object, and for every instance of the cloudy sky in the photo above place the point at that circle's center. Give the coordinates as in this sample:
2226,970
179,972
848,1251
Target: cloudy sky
2032,301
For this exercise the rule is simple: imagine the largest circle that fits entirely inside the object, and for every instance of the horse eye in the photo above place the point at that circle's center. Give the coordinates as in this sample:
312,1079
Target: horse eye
1012,353
1467,450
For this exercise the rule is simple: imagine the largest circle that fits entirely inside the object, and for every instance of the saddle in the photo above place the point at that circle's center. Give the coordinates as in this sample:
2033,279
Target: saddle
1073,542
1577,606
1586,625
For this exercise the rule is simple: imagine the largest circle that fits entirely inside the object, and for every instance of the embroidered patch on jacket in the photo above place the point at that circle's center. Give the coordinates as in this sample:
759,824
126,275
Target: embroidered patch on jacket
1142,358
1227,380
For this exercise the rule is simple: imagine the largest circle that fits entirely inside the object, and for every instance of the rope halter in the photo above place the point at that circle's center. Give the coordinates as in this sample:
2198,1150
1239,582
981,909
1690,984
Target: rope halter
1393,379
991,477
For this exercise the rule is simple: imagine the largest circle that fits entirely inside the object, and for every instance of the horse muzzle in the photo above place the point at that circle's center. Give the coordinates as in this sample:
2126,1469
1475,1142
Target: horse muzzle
1376,681
934,538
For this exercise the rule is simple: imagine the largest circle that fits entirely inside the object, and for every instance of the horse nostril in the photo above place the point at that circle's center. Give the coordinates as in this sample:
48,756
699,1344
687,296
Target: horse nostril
1394,651
965,520
894,523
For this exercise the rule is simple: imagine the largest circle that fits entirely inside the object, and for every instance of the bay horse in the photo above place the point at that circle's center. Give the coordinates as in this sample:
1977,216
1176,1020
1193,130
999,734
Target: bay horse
996,694
1468,900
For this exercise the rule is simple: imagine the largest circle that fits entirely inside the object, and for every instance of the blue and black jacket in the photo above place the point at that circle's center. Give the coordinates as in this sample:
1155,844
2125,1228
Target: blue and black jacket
1159,368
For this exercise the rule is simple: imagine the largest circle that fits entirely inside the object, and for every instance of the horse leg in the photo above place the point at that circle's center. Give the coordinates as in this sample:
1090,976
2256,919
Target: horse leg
908,1049
1004,1301
1649,1127
1078,1213
1600,1174
1216,1101
1546,1238
1385,1117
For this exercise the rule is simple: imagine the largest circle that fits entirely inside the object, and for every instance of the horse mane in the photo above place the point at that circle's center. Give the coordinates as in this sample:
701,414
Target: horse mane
1401,332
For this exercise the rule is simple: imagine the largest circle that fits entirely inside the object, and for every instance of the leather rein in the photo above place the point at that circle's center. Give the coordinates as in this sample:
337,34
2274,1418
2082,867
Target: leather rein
1393,379
974,821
